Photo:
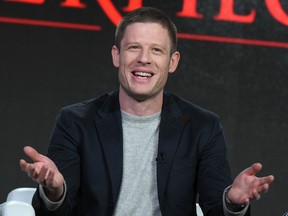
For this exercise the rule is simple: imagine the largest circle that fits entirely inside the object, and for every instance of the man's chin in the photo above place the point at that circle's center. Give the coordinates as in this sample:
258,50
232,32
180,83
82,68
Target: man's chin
140,97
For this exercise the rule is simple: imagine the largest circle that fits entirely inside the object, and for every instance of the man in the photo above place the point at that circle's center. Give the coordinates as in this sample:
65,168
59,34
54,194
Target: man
140,151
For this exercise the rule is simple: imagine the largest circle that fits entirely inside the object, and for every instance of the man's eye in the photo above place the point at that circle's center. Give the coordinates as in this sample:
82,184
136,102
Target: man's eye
134,47
157,50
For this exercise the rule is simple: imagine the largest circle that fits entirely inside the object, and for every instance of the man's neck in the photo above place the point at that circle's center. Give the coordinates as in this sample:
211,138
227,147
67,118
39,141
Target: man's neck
146,107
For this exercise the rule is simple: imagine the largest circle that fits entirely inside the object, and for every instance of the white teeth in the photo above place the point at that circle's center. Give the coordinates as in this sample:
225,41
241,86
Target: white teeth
142,74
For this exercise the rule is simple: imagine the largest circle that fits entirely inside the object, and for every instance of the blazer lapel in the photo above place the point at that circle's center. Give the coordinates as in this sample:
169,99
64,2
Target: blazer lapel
171,127
109,131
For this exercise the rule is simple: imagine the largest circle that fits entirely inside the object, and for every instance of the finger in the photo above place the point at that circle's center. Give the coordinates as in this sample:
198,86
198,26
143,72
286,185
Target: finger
24,165
30,169
34,171
32,153
268,179
41,178
50,179
263,189
256,195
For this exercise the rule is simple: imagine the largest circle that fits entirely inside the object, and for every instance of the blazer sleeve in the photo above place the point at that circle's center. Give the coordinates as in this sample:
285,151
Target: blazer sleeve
64,151
213,169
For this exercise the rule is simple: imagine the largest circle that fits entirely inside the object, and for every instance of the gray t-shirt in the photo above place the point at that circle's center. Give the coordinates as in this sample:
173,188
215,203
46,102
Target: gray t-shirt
138,194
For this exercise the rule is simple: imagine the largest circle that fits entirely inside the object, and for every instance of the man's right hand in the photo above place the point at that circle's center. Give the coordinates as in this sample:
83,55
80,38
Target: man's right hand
44,171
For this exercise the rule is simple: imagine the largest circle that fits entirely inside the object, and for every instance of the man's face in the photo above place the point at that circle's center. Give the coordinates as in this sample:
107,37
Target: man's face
144,60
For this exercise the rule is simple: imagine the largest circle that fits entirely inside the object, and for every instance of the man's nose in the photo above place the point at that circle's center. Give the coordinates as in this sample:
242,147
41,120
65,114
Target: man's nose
144,57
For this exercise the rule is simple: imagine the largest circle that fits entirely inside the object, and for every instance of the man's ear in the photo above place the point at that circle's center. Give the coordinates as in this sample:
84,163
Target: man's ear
115,52
174,60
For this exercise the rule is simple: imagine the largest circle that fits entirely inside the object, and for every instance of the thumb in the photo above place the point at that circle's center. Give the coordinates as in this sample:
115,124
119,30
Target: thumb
254,169
32,153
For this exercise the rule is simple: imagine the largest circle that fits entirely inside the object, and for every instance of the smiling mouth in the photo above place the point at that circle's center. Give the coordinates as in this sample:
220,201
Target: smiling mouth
142,74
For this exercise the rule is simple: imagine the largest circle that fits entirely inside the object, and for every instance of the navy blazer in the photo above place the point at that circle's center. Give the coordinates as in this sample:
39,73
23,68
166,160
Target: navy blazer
86,145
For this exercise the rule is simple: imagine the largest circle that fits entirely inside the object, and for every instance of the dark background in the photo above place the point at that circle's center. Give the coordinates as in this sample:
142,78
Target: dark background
45,68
